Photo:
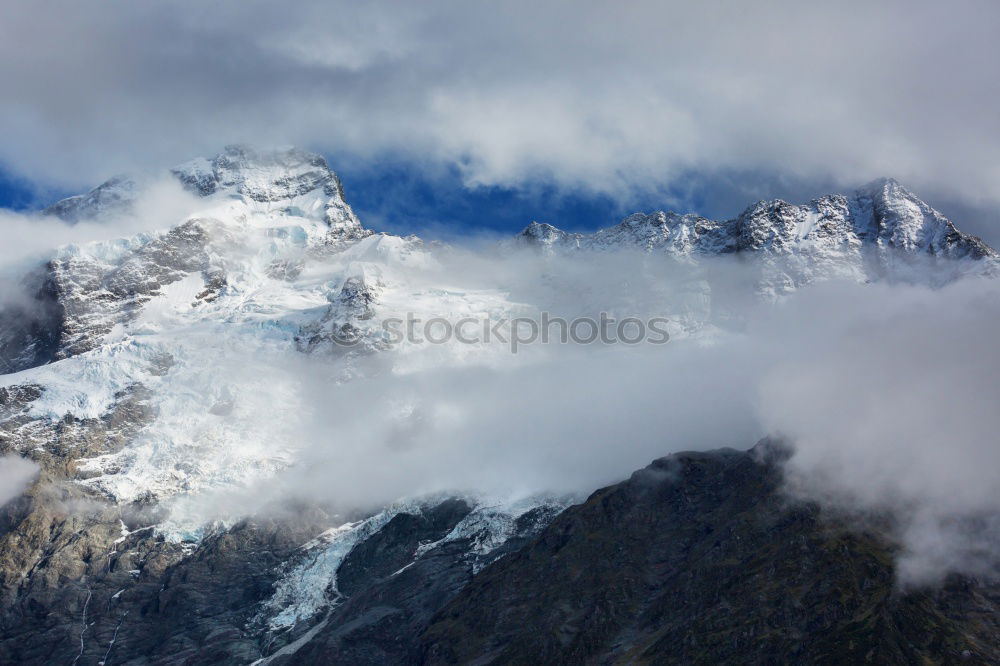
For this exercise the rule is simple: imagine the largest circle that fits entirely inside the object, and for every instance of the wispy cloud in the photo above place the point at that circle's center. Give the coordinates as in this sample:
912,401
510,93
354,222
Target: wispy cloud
15,475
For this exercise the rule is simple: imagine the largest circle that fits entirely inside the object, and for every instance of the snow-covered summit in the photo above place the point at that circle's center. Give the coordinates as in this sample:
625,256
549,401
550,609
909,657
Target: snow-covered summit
898,219
206,324
882,230
546,235
880,214
287,180
260,175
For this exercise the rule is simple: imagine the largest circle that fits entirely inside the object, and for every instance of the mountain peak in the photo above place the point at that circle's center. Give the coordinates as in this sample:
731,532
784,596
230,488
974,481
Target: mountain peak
881,219
261,175
301,178
880,183
544,235
110,197
881,187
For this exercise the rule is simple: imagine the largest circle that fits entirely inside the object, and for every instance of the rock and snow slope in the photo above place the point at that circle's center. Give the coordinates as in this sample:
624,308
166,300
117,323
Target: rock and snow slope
273,261
145,373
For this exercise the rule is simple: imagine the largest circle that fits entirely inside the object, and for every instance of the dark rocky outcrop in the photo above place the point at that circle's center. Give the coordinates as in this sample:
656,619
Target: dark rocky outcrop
701,559
31,322
388,608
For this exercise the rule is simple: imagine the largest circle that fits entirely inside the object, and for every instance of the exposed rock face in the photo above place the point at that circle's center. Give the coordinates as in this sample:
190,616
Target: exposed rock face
95,296
391,597
85,586
339,324
80,298
31,329
700,559
77,298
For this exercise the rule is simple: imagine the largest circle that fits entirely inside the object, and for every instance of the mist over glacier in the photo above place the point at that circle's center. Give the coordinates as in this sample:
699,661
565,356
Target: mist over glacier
883,390
886,394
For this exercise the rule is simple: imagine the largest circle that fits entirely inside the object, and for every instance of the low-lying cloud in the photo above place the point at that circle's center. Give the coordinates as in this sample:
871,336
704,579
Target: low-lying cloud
15,475
30,239
891,402
887,394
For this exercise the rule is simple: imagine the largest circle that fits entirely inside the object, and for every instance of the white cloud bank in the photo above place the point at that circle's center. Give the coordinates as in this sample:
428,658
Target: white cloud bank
593,94
888,394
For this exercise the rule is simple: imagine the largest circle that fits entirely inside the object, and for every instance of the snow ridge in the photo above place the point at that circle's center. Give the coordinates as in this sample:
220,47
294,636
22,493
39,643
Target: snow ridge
882,231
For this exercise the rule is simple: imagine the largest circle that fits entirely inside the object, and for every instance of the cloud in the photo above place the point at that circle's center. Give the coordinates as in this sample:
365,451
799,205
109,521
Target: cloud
890,399
887,394
583,94
15,475
425,419
31,238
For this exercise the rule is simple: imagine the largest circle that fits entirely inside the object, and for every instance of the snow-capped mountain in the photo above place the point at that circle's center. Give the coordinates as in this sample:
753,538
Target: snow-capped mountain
268,267
128,379
272,263
881,232
144,375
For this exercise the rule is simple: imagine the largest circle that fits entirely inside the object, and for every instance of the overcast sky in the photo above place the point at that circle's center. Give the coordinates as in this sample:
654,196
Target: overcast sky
690,105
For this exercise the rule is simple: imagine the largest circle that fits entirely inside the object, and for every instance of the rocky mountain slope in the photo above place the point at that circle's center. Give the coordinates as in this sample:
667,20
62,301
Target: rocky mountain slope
701,559
152,377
